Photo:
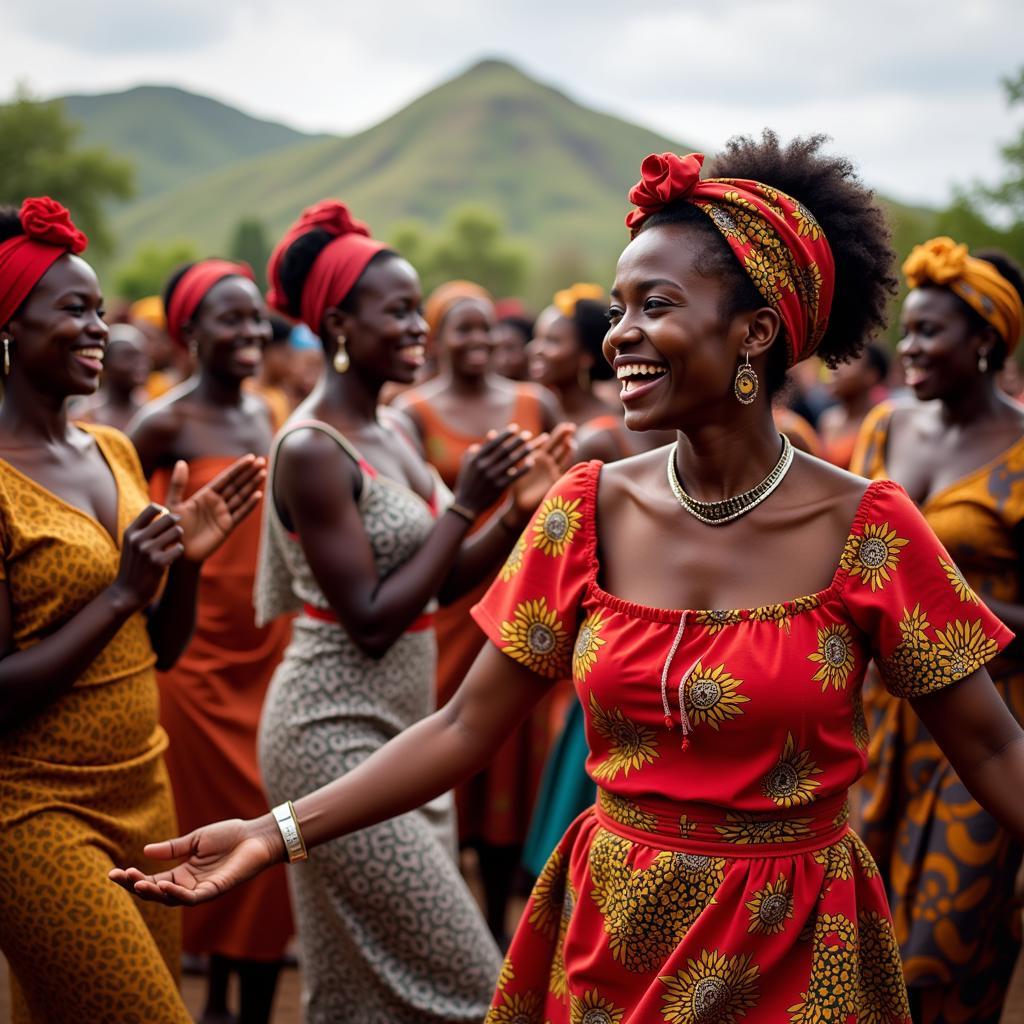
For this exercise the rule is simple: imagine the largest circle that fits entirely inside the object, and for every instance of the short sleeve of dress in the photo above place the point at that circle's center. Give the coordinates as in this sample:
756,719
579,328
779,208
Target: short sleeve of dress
532,609
926,626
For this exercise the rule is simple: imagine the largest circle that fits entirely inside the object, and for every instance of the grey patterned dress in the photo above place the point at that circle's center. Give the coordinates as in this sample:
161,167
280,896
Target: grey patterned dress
388,931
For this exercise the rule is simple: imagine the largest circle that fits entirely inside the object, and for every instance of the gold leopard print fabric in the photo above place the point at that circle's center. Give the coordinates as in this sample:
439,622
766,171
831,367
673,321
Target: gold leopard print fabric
82,784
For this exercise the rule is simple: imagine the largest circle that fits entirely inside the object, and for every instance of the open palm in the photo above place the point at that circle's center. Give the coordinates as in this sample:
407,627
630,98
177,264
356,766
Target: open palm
209,515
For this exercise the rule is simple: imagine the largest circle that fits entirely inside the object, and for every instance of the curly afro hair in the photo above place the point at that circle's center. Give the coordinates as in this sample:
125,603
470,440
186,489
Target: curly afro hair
848,214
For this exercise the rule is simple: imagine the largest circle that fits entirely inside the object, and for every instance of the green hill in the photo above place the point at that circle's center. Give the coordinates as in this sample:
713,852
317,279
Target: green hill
556,171
173,135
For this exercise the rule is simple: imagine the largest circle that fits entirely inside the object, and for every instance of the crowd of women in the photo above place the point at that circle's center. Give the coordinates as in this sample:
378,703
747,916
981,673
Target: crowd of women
681,600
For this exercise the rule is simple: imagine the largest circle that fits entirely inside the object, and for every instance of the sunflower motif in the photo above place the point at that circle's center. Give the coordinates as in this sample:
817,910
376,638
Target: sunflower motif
686,827
962,648
710,695
832,987
881,993
782,614
723,220
874,555
843,816
836,860
861,854
806,225
593,1008
630,746
525,1008
912,666
625,812
548,895
588,642
861,733
958,582
754,829
514,562
770,908
648,912
767,275
717,620
506,974
536,638
714,989
791,783
555,525
834,656
558,981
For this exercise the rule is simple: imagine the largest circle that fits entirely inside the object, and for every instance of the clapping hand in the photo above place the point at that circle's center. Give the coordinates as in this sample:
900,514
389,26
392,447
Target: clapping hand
552,454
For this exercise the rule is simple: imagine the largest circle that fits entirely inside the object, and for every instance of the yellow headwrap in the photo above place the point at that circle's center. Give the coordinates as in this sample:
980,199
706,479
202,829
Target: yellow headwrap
565,300
445,297
150,309
941,261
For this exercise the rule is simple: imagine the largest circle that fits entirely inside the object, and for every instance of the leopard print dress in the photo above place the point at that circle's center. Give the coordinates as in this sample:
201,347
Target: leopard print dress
82,783
388,931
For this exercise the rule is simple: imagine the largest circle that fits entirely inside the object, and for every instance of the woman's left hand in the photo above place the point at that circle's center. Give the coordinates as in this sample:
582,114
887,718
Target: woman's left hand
209,515
553,455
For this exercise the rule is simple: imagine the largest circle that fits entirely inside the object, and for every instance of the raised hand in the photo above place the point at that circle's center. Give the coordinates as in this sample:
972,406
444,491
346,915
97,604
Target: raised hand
151,542
209,515
552,455
489,468
219,857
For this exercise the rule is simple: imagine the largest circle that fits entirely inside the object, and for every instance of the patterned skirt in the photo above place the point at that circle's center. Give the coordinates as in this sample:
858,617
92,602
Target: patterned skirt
667,912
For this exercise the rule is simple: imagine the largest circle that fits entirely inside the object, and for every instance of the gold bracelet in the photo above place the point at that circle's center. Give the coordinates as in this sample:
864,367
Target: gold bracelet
462,512
288,823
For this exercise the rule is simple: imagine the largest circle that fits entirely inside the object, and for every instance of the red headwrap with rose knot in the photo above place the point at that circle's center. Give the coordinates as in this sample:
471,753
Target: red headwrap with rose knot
776,239
336,268
24,259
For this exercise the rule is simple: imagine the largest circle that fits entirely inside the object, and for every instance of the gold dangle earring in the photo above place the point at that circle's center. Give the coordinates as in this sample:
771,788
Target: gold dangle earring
7,356
746,384
341,359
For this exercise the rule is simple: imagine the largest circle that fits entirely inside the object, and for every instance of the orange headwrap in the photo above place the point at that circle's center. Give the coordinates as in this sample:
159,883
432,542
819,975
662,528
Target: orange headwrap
445,297
565,300
942,262
774,237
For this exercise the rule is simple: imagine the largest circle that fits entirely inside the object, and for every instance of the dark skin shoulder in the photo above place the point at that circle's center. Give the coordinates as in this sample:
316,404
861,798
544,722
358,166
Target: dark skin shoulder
653,552
926,455
182,426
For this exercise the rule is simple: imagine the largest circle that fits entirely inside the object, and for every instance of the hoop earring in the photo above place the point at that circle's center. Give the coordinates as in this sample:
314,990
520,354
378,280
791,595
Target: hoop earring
746,384
982,361
341,359
7,356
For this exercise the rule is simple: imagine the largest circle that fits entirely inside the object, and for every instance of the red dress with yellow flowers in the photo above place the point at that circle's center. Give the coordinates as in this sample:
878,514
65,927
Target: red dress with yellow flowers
720,882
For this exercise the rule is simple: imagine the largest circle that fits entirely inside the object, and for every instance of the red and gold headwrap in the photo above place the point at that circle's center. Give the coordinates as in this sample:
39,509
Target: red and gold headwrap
942,262
337,267
194,286
24,259
565,300
446,297
775,238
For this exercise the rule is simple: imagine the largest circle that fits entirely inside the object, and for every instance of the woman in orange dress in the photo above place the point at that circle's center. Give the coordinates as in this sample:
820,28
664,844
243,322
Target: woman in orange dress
856,386
451,413
210,702
958,448
86,609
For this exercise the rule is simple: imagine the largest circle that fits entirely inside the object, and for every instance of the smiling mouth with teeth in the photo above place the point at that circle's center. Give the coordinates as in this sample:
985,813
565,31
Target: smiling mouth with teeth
635,374
95,352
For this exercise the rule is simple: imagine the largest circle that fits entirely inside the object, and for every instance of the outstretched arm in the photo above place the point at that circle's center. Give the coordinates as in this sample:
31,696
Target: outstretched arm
414,767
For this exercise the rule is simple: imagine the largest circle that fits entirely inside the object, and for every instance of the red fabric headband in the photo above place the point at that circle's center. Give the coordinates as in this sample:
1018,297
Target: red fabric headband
194,286
24,259
775,238
337,267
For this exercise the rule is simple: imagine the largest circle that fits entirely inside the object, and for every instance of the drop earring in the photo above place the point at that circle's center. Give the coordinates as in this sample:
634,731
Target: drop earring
982,361
7,356
746,384
341,359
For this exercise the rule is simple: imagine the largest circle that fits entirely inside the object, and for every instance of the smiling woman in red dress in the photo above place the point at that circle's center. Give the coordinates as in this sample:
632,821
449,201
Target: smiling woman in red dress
717,605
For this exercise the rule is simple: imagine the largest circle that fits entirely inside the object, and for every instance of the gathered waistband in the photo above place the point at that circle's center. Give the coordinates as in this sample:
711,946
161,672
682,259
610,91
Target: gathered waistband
418,625
721,832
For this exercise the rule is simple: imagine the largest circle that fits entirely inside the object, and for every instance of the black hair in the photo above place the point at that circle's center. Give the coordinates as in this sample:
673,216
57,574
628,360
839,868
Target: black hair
849,216
281,330
523,324
297,261
1012,272
173,281
590,318
877,359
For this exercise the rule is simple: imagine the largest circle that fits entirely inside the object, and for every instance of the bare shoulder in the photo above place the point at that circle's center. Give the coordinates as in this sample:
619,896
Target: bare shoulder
816,487
639,476
403,422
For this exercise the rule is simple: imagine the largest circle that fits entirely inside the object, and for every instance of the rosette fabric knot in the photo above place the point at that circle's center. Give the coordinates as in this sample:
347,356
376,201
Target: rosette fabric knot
947,264
776,239
336,268
194,286
24,259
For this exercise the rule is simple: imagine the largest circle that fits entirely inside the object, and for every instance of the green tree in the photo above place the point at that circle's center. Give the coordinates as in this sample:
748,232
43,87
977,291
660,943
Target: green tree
1008,195
249,244
40,157
150,268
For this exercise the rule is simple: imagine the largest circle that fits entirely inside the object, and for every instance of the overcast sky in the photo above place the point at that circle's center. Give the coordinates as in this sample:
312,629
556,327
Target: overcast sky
910,89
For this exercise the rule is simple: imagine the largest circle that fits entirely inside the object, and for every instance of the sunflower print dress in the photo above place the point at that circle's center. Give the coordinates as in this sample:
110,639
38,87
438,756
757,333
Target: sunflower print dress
948,866
703,886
